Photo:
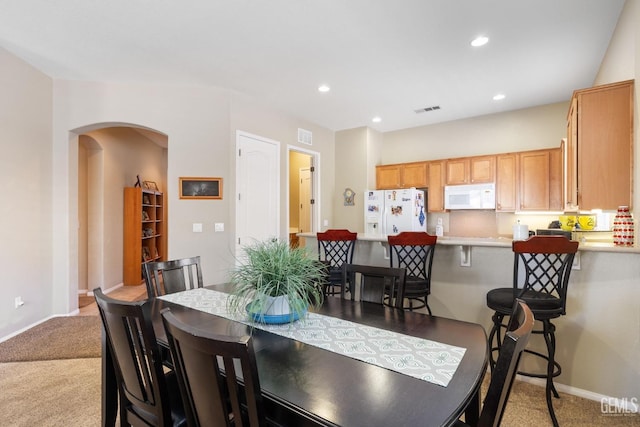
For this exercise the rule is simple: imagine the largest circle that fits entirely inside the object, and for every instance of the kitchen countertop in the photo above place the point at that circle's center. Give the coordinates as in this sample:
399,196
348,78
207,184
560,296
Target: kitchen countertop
498,242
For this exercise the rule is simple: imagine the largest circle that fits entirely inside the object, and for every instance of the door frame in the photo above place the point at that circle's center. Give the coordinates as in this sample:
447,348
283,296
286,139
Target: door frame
315,185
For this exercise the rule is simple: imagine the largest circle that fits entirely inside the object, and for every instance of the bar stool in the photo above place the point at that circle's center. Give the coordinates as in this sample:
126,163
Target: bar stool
335,247
541,270
414,250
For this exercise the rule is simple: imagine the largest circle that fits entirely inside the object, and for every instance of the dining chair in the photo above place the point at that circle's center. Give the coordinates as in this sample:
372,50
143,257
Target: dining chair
148,396
217,376
541,271
504,372
167,277
414,251
373,283
335,248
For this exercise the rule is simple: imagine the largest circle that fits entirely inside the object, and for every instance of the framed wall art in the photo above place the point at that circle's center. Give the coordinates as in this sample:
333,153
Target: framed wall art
150,185
200,188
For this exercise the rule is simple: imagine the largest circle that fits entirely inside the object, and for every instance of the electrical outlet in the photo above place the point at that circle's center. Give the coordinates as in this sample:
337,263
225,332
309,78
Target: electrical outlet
218,227
18,302
197,227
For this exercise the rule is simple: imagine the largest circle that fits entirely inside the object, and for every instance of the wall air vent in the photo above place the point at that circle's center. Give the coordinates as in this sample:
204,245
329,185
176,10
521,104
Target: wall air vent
305,136
426,109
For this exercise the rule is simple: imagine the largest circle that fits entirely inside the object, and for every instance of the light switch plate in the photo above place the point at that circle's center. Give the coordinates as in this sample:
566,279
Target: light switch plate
197,227
219,226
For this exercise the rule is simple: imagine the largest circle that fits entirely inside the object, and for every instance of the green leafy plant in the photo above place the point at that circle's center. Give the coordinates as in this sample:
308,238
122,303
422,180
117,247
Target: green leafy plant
272,269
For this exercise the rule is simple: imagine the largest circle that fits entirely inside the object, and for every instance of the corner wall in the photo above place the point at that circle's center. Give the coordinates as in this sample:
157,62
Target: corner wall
26,213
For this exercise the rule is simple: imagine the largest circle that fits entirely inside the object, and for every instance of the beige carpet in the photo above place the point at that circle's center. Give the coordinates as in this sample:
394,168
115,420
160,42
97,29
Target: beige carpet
52,393
73,337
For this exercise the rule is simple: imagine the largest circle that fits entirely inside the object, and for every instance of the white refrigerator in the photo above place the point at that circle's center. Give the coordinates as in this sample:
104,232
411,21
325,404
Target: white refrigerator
394,211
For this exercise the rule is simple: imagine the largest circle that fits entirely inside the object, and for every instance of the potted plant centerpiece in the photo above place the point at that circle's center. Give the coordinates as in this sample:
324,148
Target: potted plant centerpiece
275,283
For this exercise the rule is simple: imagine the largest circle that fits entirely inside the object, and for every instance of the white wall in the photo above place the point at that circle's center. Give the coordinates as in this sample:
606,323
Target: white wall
518,130
200,124
253,116
25,173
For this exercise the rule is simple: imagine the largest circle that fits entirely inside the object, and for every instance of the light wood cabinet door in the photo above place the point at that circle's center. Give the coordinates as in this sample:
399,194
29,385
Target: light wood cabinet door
414,175
534,180
605,146
482,169
556,177
571,158
471,170
435,202
506,182
388,177
540,180
457,171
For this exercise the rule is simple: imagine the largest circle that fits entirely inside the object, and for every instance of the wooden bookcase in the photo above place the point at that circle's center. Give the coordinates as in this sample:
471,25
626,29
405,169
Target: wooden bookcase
144,231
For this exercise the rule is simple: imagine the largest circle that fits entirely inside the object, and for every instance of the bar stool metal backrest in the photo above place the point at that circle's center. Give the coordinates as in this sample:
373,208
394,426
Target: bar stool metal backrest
414,251
541,271
335,248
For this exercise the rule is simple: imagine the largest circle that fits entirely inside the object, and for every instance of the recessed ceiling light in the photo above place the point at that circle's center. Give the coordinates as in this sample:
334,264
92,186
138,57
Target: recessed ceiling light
499,97
376,119
323,88
479,41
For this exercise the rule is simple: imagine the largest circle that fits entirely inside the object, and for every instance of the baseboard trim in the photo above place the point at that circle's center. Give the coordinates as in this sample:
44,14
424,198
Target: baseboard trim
629,404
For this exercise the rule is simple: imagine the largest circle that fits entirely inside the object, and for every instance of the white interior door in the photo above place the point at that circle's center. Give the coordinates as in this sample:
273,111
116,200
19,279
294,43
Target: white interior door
258,190
305,195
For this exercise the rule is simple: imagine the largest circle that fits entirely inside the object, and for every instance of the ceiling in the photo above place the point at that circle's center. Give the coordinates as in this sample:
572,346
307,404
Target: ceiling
380,57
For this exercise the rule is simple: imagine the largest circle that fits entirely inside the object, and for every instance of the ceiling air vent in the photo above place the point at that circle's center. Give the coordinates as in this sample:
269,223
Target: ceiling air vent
305,136
426,109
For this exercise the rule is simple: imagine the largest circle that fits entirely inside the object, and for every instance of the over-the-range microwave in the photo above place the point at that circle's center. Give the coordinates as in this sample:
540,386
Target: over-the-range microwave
473,196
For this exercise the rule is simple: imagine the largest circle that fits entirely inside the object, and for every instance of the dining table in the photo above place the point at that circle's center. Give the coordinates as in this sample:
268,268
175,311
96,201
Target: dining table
304,384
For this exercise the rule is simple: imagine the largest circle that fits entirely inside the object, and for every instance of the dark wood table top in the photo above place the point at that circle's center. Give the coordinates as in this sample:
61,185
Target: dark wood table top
307,385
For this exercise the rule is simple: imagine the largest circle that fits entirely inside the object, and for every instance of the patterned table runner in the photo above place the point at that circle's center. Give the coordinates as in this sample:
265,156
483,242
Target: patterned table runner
417,357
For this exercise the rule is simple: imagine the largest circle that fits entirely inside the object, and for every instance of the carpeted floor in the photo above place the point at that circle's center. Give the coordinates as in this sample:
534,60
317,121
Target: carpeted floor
51,393
58,338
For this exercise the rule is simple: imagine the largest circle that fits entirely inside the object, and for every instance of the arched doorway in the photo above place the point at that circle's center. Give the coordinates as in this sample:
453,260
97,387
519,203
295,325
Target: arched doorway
110,158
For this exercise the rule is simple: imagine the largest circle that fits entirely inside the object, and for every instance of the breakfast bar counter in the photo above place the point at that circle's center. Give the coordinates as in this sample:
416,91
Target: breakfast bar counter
599,349
498,242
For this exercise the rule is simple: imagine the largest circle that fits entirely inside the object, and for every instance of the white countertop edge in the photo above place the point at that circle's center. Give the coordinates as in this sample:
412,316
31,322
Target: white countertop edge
498,242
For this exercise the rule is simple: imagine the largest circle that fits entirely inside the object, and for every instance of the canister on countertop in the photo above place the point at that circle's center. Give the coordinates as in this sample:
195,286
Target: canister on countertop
520,231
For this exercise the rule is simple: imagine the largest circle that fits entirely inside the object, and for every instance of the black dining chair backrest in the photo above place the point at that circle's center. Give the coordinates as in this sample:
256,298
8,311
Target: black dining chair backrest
502,377
217,375
147,395
167,277
371,282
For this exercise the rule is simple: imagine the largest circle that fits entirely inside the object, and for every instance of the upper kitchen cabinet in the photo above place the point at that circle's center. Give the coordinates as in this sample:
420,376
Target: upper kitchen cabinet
405,175
435,195
507,182
600,147
471,170
540,180
388,177
414,175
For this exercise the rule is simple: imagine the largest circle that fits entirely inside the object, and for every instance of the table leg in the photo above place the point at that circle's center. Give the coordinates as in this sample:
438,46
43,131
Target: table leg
109,385
472,413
